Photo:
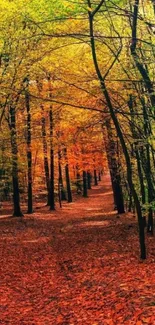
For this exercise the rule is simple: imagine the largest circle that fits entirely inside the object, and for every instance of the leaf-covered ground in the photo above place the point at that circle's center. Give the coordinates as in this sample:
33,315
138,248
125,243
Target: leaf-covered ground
77,265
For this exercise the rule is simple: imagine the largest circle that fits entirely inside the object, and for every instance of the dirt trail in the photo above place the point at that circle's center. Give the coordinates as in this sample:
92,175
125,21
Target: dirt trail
77,265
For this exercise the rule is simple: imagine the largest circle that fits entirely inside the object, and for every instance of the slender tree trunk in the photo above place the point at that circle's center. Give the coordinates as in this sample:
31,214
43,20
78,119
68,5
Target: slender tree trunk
62,190
140,173
69,192
119,201
16,197
59,192
118,130
29,151
99,176
52,198
85,184
150,222
135,149
111,149
130,203
95,178
151,191
146,164
45,153
89,180
129,174
44,142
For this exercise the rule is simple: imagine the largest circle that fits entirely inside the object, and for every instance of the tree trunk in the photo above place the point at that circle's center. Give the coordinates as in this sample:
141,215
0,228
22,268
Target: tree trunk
59,193
85,184
118,130
144,158
140,173
45,153
95,178
117,188
129,174
69,193
130,202
51,182
16,197
62,190
135,149
29,151
146,164
150,222
52,198
111,149
89,180
147,168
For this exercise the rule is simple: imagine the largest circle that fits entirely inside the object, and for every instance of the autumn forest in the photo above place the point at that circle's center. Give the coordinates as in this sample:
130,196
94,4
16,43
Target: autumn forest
77,162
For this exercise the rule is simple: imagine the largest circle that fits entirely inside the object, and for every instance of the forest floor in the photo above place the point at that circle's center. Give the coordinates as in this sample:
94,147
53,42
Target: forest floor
76,265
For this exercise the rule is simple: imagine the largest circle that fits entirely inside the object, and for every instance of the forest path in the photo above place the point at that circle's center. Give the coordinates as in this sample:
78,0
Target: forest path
99,202
76,265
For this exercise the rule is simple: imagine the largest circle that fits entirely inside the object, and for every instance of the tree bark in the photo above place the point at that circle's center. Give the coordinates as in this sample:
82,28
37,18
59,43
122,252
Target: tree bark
45,153
52,194
85,184
147,167
51,198
69,192
14,148
29,151
111,148
89,180
135,149
95,178
62,190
